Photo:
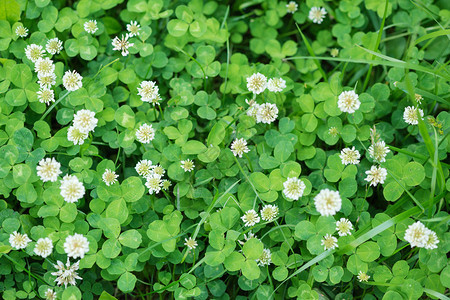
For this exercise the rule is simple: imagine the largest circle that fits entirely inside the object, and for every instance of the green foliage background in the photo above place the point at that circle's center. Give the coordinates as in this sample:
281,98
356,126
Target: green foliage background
200,54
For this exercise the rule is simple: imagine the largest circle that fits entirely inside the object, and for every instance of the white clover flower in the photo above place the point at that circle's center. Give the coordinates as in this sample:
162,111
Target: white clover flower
44,66
276,85
72,81
66,274
44,247
329,242
122,44
84,120
432,240
144,167
71,188
133,28
257,83
50,295
411,115
45,95
166,184
333,131
252,111
291,7
378,151
334,52
239,147
145,134
54,46
362,276
418,98
417,235
376,175
187,165
157,170
190,243
317,14
250,218
48,169
344,226
21,31
265,259
33,52
76,136
18,240
90,26
293,188
267,113
149,92
76,245
328,202
46,82
269,212
348,101
109,177
350,156
153,184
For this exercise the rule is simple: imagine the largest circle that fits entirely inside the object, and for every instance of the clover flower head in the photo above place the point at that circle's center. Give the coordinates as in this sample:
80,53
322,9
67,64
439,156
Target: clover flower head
187,165
54,46
109,177
267,113
350,156
76,245
72,81
48,169
145,134
291,7
276,85
44,247
166,184
293,188
411,115
239,147
133,28
328,202
154,184
21,31
50,294
76,136
378,151
362,276
329,242
90,26
376,175
317,14
269,212
432,240
265,259
334,52
66,274
348,102
417,234
144,167
18,240
190,243
72,189
344,227
44,66
46,82
257,83
84,120
122,44
45,95
250,218
149,92
33,52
